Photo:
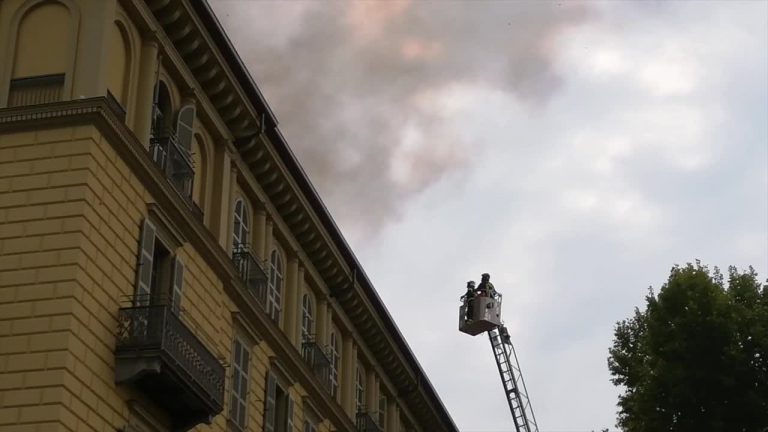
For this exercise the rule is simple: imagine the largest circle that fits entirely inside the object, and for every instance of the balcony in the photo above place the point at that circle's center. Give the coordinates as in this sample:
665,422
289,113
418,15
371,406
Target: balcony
366,423
318,361
176,164
162,358
251,272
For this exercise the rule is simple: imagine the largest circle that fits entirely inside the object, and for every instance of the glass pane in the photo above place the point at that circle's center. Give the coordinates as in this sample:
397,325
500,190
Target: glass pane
236,234
244,388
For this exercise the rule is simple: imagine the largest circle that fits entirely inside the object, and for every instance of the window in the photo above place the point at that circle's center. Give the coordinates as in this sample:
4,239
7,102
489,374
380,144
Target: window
307,317
160,275
335,360
239,396
275,285
241,226
171,148
278,412
360,388
41,59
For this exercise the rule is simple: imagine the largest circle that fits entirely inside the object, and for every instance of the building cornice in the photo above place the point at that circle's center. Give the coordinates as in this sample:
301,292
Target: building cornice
204,47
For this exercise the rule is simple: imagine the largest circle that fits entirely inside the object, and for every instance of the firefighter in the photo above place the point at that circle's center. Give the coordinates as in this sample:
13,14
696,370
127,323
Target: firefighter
469,299
486,287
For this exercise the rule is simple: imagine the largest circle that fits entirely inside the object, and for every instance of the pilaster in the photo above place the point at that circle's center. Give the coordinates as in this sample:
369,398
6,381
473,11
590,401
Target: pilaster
393,417
260,232
145,92
321,327
222,202
291,298
347,384
371,392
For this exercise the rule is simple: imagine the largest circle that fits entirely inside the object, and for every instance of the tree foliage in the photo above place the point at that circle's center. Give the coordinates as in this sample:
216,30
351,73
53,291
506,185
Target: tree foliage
696,359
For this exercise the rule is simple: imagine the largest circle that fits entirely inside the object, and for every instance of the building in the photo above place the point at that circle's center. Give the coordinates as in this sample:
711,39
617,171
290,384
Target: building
165,262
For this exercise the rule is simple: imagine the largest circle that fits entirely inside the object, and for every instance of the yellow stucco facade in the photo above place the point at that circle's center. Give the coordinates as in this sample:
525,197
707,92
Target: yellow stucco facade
165,263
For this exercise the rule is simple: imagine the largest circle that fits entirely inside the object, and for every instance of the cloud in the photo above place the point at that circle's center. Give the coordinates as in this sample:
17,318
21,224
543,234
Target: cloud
345,79
575,207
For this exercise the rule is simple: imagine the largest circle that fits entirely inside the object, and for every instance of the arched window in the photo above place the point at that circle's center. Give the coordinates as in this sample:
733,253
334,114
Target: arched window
241,226
275,286
335,361
43,52
360,387
161,114
42,59
307,317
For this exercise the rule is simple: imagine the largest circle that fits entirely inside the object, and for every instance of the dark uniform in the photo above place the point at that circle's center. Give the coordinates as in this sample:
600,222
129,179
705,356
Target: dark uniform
469,298
486,287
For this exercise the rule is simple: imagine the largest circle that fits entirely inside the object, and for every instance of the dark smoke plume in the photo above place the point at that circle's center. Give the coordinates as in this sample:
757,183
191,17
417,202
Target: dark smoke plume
344,80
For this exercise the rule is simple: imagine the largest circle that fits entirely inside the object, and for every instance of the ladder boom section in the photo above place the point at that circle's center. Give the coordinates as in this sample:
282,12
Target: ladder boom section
512,379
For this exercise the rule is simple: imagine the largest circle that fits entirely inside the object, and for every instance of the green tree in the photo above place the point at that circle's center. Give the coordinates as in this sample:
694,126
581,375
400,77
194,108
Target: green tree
696,359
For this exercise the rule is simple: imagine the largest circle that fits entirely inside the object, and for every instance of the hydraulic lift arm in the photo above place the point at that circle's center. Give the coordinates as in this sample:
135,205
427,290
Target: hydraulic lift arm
480,312
512,380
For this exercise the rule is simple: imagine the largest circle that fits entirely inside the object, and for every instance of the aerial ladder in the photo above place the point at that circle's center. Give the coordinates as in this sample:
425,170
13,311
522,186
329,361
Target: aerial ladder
480,312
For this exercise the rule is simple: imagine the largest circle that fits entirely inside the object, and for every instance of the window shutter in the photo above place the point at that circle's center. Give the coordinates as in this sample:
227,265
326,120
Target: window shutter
178,282
270,408
244,368
184,123
289,420
144,271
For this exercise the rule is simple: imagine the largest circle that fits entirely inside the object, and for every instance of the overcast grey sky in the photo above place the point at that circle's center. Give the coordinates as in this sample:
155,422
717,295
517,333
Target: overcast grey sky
574,150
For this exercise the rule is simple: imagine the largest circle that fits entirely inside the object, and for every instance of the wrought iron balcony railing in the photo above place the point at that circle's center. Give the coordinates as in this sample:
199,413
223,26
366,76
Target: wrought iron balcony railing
162,357
365,422
176,163
318,361
35,90
251,272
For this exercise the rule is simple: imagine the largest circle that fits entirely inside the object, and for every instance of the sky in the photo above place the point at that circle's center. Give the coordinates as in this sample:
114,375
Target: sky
575,151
